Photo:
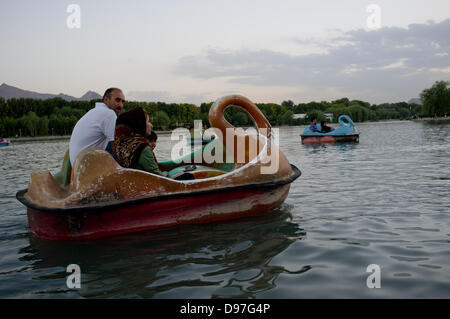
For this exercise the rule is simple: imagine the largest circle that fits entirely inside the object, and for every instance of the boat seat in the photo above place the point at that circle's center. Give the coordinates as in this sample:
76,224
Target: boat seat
44,190
90,164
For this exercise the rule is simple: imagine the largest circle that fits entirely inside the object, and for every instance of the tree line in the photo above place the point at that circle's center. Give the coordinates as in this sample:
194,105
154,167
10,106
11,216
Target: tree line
56,116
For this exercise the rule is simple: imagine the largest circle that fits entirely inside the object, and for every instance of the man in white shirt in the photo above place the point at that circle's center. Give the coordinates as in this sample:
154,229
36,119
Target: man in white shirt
96,127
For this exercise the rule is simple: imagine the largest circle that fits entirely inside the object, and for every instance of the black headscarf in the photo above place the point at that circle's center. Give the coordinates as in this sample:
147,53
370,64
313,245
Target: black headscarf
135,120
130,137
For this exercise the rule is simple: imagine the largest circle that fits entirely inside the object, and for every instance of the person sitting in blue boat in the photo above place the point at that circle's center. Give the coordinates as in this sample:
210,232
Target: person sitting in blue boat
131,145
324,128
313,125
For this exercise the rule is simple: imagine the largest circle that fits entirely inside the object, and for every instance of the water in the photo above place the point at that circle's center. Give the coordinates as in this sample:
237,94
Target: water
383,201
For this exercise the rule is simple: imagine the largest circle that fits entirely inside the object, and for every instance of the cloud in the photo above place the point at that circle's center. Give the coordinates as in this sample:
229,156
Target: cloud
390,61
148,96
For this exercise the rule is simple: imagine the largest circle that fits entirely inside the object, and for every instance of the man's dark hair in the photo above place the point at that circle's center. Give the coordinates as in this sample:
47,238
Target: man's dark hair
152,136
109,91
313,118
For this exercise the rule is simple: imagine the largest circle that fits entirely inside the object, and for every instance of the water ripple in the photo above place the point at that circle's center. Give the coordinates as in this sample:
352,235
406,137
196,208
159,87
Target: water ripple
382,201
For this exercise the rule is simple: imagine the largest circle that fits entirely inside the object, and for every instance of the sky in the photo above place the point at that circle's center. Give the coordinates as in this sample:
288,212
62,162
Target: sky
195,51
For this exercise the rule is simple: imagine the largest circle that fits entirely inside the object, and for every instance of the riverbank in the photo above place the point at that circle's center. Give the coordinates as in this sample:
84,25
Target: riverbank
55,137
39,138
434,120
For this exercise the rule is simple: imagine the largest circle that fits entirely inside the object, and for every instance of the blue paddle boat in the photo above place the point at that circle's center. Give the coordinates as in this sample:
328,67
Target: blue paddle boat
346,132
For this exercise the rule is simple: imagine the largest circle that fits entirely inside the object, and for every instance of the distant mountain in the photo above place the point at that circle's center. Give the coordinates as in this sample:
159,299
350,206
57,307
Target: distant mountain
415,101
90,95
9,92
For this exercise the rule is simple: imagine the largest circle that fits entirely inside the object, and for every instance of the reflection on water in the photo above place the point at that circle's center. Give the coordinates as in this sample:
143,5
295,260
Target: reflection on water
219,260
342,148
380,201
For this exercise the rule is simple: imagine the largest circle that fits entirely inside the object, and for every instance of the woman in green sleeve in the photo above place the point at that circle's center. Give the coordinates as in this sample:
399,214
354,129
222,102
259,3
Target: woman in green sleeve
130,144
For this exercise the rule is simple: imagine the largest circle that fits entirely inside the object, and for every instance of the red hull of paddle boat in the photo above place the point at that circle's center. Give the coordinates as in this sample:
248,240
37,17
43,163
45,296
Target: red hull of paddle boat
78,224
329,139
313,140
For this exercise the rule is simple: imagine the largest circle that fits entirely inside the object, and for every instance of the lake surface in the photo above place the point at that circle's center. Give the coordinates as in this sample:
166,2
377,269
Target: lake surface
384,201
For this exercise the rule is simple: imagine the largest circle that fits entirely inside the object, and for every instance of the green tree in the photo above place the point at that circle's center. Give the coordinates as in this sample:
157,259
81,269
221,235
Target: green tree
436,100
237,116
161,120
404,113
417,110
286,118
2,128
30,122
340,110
151,108
318,114
358,113
345,101
43,126
288,105
204,107
9,126
3,108
360,103
373,116
240,119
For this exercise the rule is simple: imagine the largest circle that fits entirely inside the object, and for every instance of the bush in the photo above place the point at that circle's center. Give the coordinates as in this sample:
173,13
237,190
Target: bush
358,113
161,120
319,115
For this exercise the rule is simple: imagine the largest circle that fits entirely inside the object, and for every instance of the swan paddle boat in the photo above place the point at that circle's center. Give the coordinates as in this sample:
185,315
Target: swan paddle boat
346,132
98,198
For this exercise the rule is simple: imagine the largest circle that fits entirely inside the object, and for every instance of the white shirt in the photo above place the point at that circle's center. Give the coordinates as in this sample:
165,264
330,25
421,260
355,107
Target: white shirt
95,128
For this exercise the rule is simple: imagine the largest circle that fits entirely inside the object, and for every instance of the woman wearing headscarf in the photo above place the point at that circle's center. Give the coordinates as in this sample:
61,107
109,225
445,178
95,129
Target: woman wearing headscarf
130,145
